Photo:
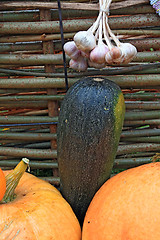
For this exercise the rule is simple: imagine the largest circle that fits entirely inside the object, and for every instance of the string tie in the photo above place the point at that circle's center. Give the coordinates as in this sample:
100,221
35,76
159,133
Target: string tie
105,10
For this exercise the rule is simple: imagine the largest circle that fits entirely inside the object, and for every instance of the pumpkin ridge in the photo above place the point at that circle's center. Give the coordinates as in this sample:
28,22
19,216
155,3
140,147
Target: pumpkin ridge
9,231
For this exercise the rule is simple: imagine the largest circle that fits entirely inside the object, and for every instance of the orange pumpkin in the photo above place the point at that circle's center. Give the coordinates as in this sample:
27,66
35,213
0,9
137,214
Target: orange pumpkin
2,184
126,207
38,211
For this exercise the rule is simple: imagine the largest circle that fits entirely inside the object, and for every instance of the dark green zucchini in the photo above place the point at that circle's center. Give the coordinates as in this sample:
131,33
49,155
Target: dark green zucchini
90,123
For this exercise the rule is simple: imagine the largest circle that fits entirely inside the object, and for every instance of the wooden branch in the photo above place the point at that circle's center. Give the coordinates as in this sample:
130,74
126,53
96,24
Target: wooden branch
47,5
127,3
82,6
42,37
74,25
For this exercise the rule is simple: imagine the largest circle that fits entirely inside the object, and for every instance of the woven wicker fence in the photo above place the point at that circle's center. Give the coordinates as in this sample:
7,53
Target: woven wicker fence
32,80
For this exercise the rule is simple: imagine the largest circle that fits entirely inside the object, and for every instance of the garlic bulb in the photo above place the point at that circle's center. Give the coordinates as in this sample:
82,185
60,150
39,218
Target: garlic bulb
114,56
96,65
122,54
85,40
80,64
71,50
128,51
97,55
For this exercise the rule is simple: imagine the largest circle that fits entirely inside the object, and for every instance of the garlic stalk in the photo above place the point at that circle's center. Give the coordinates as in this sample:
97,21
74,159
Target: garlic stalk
115,39
94,27
97,55
106,35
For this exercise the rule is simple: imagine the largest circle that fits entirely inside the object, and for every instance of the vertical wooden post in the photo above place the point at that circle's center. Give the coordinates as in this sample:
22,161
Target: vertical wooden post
48,48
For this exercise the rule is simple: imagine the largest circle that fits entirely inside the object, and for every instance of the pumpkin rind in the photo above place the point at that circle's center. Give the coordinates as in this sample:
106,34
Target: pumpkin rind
2,184
126,207
37,212
89,127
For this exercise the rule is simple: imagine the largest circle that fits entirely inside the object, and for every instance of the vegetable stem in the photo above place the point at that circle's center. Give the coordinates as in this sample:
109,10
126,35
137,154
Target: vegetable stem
94,27
12,180
116,40
106,36
100,32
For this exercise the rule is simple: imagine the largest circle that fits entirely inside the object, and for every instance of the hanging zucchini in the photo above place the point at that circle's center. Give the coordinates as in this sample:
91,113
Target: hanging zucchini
89,128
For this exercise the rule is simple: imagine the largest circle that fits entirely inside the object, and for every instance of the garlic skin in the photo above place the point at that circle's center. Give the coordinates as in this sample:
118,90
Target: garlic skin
80,64
85,40
96,65
108,58
97,55
71,50
114,56
116,53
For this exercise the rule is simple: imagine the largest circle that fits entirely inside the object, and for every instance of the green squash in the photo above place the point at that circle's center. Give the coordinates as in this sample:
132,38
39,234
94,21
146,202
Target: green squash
89,127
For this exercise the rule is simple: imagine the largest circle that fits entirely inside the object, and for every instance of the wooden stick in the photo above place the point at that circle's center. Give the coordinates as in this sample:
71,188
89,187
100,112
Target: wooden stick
31,38
47,37
66,5
127,3
107,71
32,16
74,25
40,59
132,148
21,152
124,81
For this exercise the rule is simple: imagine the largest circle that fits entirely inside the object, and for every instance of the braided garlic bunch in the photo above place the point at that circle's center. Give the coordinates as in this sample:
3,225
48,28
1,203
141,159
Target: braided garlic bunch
98,46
